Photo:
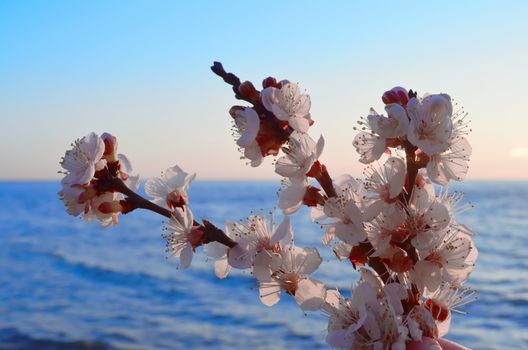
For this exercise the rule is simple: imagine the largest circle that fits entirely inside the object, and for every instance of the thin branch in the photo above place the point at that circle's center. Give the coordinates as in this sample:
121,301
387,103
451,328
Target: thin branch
412,169
325,180
229,78
134,201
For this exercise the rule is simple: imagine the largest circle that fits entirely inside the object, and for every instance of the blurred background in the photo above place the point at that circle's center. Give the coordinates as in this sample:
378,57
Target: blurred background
140,70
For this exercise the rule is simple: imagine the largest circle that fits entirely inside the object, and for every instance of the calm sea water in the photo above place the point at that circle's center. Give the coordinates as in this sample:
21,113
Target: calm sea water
65,284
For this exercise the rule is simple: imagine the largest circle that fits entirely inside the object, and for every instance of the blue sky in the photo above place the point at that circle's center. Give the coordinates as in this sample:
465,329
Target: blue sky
140,70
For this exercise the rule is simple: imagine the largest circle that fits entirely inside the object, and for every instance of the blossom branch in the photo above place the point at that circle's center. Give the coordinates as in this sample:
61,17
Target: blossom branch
134,201
325,180
412,168
320,173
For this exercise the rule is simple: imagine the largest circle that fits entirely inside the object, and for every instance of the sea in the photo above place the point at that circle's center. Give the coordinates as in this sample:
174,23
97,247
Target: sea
70,285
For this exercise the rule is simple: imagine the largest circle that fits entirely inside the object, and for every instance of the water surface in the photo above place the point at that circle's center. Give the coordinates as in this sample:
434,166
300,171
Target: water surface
65,284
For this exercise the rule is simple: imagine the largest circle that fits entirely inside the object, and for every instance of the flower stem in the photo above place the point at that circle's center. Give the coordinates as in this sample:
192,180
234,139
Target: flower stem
134,201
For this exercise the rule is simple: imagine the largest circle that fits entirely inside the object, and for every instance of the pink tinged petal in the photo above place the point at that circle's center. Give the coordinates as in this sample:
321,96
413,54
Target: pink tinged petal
449,345
269,293
252,127
396,293
414,329
310,294
291,197
360,321
175,178
363,295
303,108
342,250
337,338
374,120
222,268
353,213
87,175
93,146
275,262
370,147
372,327
422,198
443,327
126,166
186,256
317,214
155,187
133,182
311,261
473,253
328,236
189,220
261,266
286,167
372,210
254,154
399,113
395,167
424,344
279,113
239,258
452,164
427,275
100,165
400,345
267,96
300,124
435,170
281,231
332,298
437,216
215,250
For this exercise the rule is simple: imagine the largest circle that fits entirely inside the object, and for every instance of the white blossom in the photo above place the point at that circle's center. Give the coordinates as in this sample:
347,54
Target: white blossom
383,186
258,239
300,154
369,146
246,128
183,237
170,190
84,159
289,273
396,124
431,124
450,260
451,164
288,104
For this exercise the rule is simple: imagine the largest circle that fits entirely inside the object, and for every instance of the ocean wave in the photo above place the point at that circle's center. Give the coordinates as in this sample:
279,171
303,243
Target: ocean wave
11,339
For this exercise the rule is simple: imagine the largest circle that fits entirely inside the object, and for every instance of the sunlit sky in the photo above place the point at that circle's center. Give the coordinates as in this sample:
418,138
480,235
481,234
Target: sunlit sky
140,70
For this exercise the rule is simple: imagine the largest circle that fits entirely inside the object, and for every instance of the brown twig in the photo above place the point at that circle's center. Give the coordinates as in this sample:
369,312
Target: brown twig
325,180
229,78
134,201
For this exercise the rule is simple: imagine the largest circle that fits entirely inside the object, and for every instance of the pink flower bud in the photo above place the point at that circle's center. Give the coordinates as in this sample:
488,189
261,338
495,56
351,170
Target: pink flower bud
176,199
110,152
396,95
269,82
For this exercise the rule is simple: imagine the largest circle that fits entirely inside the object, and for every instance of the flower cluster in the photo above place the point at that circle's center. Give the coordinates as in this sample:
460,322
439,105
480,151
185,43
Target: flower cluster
392,224
89,162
